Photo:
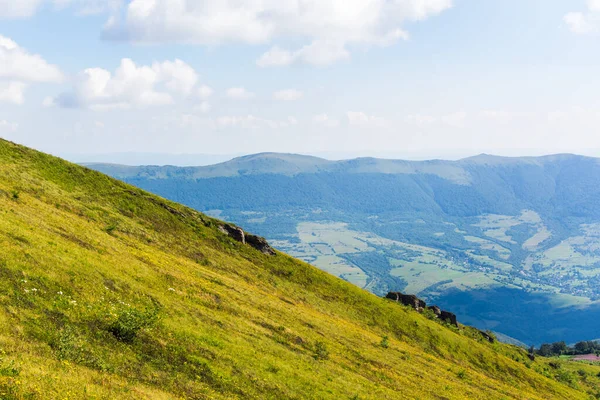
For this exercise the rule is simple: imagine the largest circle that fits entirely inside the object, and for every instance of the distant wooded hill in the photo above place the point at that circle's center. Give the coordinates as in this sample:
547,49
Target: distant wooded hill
512,244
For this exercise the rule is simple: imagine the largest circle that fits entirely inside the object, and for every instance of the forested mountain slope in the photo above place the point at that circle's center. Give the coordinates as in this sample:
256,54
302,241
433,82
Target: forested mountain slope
513,244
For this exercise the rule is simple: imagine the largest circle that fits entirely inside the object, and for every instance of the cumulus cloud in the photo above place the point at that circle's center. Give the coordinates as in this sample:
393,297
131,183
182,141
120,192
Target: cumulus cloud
130,86
18,68
359,118
18,64
327,26
587,22
12,92
287,95
239,93
326,121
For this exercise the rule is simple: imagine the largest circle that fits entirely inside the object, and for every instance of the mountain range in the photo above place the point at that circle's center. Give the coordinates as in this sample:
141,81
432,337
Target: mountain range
511,244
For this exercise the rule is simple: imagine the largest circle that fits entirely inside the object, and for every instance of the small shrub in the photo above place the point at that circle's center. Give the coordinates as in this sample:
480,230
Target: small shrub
565,377
427,313
462,374
71,346
130,321
9,369
273,369
385,342
554,364
321,352
14,194
110,228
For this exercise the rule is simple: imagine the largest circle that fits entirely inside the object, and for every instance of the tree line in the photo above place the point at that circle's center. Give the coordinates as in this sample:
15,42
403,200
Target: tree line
561,348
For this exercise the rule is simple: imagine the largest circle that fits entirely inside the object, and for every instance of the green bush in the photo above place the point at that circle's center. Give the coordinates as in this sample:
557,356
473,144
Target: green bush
321,352
130,321
385,342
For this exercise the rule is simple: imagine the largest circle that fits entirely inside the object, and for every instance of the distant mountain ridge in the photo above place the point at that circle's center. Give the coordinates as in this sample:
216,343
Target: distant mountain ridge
522,233
294,164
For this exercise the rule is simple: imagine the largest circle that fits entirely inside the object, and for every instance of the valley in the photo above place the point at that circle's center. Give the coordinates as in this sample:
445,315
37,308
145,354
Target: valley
438,229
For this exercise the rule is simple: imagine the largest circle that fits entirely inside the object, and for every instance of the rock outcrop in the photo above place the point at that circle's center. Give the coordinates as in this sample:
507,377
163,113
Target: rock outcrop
487,336
408,300
449,318
236,233
413,301
260,244
436,310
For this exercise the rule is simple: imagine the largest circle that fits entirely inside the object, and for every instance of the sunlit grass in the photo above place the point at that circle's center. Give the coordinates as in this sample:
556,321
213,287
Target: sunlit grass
109,292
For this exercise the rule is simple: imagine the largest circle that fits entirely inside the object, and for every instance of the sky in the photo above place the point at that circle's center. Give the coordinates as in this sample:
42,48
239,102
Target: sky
338,78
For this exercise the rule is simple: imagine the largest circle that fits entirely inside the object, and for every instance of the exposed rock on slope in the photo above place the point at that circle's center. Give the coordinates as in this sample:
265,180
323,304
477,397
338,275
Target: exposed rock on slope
259,243
420,305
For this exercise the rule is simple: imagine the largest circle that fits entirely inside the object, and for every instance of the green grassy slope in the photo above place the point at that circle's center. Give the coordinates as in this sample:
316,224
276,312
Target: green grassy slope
109,292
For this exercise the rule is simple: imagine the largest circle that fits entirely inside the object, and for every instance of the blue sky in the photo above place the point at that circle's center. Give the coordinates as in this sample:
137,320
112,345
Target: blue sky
402,78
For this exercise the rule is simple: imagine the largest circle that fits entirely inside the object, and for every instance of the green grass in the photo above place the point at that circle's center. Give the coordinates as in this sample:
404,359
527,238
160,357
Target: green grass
109,292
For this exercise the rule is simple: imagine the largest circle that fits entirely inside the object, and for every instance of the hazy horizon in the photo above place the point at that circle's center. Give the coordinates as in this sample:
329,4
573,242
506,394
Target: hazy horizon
199,159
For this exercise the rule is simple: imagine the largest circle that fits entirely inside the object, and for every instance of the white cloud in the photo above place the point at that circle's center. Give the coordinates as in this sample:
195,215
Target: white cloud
247,121
359,118
18,64
204,107
12,92
204,92
319,53
177,75
92,7
18,8
287,95
18,67
328,26
594,5
503,116
326,121
456,119
130,86
8,126
420,119
27,8
239,93
276,57
583,23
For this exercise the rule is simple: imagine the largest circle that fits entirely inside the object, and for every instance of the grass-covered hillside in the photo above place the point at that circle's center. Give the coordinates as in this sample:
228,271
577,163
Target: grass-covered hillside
511,244
109,292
